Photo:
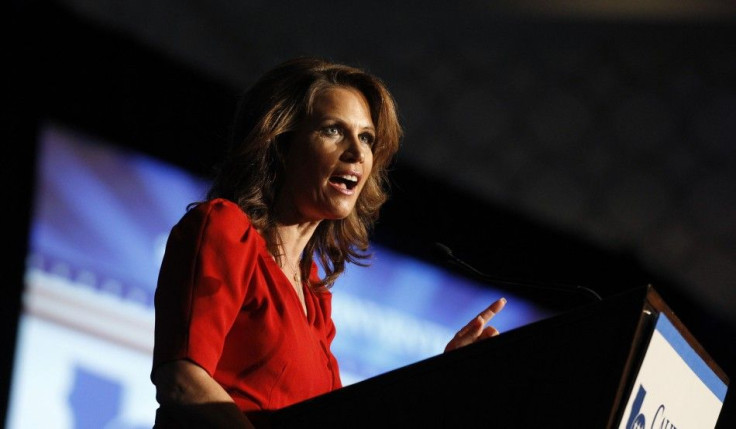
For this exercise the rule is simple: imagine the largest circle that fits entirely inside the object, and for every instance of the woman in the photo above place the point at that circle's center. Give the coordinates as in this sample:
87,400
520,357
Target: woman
243,320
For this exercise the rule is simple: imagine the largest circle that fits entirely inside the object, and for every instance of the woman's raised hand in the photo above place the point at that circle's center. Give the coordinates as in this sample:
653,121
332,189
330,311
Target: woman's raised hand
476,329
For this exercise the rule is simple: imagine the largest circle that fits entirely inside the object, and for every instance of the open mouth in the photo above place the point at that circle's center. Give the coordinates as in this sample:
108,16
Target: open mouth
345,181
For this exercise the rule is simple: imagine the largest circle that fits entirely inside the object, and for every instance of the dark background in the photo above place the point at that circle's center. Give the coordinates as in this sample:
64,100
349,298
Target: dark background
530,133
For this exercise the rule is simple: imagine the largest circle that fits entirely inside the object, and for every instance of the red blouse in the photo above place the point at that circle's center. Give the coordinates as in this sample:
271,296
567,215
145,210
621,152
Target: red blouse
223,303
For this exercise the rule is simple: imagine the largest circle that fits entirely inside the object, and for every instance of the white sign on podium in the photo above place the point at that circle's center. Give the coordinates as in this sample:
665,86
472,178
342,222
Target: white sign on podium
675,387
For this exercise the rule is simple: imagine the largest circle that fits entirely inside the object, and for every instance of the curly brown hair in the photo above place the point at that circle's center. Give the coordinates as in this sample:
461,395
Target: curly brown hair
250,175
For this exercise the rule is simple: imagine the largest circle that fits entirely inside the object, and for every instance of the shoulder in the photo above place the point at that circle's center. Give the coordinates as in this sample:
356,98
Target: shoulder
216,217
218,207
216,211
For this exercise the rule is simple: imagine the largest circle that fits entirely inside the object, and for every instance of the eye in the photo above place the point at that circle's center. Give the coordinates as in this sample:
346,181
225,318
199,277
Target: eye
331,130
368,139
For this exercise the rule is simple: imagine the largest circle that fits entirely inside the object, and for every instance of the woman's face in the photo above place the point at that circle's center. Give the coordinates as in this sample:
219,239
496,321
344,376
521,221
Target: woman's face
329,158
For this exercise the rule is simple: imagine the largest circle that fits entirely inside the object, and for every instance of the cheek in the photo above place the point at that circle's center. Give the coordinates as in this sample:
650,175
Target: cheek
371,184
368,164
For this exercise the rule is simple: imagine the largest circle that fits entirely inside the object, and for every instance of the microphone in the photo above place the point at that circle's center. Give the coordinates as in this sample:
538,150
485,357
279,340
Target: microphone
447,254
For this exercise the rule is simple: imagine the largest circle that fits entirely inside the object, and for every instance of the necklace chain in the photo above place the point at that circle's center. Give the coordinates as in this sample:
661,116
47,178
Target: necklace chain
296,272
297,280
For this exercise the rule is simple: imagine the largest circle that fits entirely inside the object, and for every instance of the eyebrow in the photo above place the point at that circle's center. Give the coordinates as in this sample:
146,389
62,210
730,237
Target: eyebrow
334,118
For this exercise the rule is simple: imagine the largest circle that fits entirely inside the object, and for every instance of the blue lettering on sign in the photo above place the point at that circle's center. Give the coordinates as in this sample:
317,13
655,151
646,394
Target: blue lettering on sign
636,419
659,416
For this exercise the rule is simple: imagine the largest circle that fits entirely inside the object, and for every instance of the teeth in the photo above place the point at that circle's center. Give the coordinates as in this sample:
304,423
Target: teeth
349,177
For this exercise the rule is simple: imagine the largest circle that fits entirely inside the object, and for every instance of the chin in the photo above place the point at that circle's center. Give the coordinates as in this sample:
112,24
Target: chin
340,216
340,213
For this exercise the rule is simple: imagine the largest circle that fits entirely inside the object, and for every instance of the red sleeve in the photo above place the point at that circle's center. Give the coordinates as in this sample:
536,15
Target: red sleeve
209,256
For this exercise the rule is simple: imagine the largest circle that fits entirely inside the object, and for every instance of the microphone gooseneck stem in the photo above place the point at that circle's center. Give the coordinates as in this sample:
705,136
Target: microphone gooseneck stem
446,252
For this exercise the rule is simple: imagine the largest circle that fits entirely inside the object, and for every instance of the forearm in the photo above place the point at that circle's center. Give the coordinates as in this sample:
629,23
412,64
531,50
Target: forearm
190,398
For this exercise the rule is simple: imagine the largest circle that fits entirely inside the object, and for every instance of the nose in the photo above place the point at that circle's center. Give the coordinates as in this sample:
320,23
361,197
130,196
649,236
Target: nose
354,152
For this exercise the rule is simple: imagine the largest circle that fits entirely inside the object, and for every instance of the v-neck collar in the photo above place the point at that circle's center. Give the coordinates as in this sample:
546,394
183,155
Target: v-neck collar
307,308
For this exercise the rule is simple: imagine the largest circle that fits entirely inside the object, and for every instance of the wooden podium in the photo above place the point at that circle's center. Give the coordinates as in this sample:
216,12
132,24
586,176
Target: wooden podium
577,369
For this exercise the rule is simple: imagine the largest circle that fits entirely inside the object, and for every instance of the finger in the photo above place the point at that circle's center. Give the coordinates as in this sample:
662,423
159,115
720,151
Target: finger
488,332
472,329
492,310
467,335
